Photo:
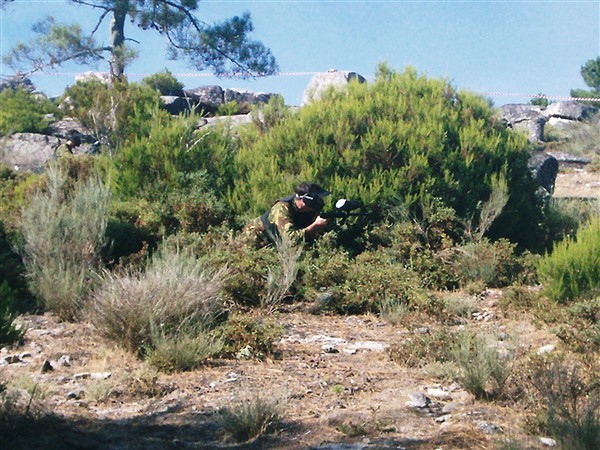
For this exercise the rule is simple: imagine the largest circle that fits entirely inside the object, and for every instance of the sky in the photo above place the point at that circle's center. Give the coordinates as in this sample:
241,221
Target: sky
507,51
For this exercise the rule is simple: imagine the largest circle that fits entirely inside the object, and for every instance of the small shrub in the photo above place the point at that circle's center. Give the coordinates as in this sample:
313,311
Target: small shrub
185,350
9,331
422,349
281,276
164,82
63,232
174,292
571,402
24,112
244,331
478,364
572,269
393,310
492,263
250,418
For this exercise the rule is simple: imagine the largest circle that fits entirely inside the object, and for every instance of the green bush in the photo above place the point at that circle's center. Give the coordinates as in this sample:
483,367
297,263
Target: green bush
254,334
63,232
571,403
114,113
495,264
24,112
9,331
402,140
175,156
249,418
185,350
164,82
175,292
572,269
479,364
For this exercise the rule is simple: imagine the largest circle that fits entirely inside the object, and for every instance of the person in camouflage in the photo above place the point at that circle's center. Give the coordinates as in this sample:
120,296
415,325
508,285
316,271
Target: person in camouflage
295,217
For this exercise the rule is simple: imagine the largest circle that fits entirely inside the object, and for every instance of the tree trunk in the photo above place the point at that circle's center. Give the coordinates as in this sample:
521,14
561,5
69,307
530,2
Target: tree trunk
117,38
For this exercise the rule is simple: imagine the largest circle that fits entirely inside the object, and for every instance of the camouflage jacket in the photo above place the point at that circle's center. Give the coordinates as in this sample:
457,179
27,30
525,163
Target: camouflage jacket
283,219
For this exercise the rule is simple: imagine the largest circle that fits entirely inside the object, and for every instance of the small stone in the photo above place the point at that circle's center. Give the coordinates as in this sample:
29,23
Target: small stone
440,394
443,418
72,395
328,348
25,355
64,361
101,375
450,407
82,376
47,367
418,400
11,359
546,349
548,442
488,428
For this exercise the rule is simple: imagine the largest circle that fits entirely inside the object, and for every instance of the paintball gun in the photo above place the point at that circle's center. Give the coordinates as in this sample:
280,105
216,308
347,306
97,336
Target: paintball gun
345,208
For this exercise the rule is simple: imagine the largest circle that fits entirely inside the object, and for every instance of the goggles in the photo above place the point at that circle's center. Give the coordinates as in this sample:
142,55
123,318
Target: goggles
312,201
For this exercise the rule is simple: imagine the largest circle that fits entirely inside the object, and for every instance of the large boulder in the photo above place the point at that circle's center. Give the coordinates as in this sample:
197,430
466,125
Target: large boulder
528,118
319,83
245,99
544,168
28,151
568,110
205,98
16,81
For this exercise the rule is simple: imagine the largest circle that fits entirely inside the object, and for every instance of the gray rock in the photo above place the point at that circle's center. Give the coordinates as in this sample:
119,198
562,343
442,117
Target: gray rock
528,118
64,361
321,82
418,400
568,110
27,151
15,82
11,359
208,98
488,428
544,168
175,105
47,367
548,442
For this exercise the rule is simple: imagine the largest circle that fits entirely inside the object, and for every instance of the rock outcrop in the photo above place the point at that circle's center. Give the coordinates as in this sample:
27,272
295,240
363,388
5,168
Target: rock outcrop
321,82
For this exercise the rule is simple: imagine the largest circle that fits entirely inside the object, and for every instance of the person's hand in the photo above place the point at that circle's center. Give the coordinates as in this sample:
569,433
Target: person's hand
314,228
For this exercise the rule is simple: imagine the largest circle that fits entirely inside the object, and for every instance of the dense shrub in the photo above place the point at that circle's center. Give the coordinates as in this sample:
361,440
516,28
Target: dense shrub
172,150
164,82
403,139
572,269
174,293
24,112
115,112
63,232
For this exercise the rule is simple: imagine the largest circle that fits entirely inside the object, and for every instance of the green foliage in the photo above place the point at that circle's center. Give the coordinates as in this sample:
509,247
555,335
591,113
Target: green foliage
225,47
590,72
63,231
249,418
579,138
423,348
540,100
115,113
362,284
9,332
403,140
175,292
572,270
24,112
156,162
495,264
254,333
571,402
164,82
13,275
187,349
479,364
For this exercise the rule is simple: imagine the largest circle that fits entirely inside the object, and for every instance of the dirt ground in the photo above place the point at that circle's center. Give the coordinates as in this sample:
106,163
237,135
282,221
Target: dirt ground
337,383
